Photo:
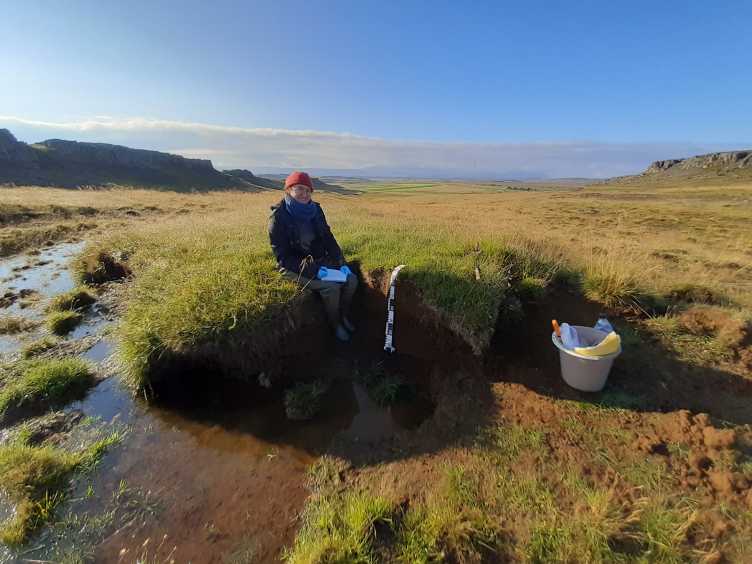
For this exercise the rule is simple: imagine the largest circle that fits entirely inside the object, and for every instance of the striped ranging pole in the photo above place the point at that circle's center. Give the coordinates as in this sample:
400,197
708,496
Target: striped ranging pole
389,333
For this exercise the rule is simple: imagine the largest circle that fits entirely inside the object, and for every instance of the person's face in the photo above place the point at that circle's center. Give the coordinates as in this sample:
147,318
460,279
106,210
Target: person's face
300,193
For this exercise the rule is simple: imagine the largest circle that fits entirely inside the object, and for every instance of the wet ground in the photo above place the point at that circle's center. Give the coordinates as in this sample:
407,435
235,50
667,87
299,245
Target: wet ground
29,280
220,479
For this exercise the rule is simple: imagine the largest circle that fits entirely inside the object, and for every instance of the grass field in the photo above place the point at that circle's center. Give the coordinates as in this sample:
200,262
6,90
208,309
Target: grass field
518,468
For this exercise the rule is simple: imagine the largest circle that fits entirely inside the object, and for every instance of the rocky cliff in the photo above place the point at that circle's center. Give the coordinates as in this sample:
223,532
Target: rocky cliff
56,162
712,162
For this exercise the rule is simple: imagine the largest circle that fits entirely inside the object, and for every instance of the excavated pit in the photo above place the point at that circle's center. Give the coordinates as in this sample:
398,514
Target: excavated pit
299,347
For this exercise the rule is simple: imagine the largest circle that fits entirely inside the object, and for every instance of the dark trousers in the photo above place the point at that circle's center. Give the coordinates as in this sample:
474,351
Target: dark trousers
337,296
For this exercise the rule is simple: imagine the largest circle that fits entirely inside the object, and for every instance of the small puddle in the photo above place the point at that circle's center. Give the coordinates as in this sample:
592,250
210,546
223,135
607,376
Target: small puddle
92,324
100,351
47,274
373,422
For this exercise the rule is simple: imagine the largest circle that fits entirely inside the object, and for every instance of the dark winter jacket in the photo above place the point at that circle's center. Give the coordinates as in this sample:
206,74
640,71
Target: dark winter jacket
285,239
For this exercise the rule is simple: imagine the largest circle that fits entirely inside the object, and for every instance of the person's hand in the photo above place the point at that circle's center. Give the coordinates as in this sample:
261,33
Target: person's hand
321,274
346,269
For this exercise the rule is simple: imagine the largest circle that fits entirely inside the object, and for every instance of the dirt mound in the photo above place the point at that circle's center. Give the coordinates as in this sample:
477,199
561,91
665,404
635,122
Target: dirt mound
104,267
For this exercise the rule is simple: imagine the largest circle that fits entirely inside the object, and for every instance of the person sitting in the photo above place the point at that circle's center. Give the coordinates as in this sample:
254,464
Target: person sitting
305,248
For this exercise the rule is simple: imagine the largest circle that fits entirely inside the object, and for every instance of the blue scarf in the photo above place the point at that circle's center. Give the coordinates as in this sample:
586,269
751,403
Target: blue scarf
300,211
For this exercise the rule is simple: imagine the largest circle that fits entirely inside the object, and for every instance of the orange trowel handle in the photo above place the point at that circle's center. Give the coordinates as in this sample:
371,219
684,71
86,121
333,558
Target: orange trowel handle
555,325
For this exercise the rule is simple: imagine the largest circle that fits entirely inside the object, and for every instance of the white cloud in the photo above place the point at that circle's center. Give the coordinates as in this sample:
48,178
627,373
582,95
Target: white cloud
265,149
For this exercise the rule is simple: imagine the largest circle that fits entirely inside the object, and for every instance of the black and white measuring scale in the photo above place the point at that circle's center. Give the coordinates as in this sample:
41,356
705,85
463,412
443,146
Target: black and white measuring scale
389,332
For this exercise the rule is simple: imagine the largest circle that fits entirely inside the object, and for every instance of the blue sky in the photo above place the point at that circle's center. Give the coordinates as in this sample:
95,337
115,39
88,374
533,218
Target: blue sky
485,88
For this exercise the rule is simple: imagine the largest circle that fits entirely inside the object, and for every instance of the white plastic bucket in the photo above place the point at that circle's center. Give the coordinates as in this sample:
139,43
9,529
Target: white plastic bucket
585,373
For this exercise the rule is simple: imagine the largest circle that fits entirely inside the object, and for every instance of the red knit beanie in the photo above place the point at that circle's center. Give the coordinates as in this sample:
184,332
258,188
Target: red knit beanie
299,178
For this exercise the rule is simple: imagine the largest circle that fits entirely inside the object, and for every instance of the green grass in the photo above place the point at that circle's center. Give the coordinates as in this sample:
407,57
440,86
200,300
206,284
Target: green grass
36,480
63,322
33,478
384,388
664,530
76,299
452,524
339,528
511,440
303,400
531,289
610,282
357,526
51,382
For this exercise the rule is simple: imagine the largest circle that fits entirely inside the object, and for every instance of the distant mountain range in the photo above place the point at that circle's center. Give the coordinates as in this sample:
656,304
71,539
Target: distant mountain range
71,164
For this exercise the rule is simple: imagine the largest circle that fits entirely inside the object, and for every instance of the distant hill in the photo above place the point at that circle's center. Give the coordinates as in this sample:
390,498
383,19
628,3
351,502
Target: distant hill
71,164
247,176
727,165
318,183
712,162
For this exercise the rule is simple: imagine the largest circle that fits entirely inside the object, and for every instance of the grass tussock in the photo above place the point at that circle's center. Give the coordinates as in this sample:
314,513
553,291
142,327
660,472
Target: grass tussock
610,281
38,347
100,266
43,383
383,387
11,325
77,299
303,400
63,322
340,525
339,528
36,478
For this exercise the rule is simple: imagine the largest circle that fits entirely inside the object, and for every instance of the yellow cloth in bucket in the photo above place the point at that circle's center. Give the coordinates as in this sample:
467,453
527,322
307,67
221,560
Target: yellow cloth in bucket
607,346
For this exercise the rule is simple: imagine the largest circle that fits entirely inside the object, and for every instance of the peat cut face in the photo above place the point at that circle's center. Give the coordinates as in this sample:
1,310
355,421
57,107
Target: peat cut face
296,340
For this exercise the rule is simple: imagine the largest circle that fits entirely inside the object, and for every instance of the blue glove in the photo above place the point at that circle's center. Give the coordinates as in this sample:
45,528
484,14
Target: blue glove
346,269
321,273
